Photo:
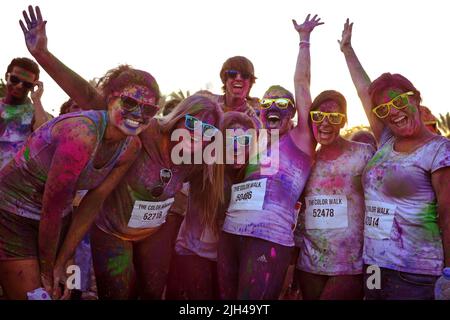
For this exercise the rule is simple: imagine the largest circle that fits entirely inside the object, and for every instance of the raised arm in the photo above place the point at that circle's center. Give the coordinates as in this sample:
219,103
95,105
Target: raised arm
360,78
302,81
74,85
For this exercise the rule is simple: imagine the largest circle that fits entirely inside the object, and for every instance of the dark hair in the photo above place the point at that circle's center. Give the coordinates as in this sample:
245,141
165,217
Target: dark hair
26,64
169,106
388,80
123,76
330,95
238,63
65,107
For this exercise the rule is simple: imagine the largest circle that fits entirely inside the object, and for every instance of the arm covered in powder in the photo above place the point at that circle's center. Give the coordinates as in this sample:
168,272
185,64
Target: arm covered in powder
84,215
302,134
74,141
360,78
441,185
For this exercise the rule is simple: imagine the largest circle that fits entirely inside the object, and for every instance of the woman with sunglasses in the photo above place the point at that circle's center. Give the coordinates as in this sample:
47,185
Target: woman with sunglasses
84,150
257,241
406,186
193,274
133,238
126,247
330,226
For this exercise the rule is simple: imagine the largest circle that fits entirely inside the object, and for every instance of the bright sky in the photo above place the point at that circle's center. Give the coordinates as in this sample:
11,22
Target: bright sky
184,43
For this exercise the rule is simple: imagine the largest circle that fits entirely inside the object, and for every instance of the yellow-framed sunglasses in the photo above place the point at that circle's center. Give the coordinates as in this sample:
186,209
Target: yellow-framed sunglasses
333,117
399,102
281,103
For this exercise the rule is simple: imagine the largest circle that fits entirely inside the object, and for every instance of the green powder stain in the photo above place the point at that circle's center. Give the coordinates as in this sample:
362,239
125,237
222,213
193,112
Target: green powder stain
119,264
10,112
412,108
26,154
377,157
392,94
253,166
429,219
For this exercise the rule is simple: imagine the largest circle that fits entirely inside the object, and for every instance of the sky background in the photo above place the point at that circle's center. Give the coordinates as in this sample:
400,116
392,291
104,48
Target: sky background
184,43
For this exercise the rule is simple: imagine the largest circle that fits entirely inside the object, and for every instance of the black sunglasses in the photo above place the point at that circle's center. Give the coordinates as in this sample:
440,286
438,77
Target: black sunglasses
16,80
233,74
165,175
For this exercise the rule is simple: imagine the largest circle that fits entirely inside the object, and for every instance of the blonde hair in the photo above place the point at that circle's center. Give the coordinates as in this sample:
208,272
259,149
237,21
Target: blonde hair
211,218
212,177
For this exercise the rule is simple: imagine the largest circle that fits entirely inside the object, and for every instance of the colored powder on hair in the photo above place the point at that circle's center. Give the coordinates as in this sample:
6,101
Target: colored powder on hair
197,108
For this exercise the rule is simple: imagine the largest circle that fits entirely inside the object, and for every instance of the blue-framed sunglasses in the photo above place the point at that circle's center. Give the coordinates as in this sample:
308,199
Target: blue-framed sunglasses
208,130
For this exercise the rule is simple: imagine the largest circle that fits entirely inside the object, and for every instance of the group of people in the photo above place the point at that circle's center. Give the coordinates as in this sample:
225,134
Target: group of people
162,228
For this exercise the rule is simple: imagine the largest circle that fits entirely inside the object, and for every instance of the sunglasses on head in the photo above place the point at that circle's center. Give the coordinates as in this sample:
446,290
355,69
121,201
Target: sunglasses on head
130,104
281,103
207,129
333,117
165,175
232,74
243,139
16,80
399,102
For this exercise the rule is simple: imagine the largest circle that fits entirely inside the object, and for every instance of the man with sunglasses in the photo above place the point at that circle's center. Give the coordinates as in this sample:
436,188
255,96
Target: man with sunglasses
237,75
18,116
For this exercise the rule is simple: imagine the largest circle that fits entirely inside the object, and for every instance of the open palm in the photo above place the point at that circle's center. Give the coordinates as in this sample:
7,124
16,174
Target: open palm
308,25
34,30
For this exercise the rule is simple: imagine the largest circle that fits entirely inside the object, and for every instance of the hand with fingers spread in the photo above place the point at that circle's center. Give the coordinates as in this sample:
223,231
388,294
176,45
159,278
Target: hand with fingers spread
34,30
346,40
307,26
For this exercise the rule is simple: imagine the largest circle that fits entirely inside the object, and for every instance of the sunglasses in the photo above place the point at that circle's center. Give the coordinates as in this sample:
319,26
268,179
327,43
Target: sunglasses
207,129
281,103
232,74
165,175
16,80
399,102
130,104
243,140
333,117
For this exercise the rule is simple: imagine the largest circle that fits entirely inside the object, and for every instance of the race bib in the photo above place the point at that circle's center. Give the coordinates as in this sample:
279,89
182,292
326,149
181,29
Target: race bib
326,212
379,219
248,195
148,214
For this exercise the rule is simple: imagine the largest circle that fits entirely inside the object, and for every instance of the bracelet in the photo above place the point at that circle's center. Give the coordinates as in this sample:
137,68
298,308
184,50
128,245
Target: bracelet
304,42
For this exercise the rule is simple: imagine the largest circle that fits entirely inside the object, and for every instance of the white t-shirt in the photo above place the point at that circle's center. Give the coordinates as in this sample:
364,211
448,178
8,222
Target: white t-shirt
330,225
401,227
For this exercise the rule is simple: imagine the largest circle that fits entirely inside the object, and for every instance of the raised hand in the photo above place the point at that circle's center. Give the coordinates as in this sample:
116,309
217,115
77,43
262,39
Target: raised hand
307,26
34,30
346,40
